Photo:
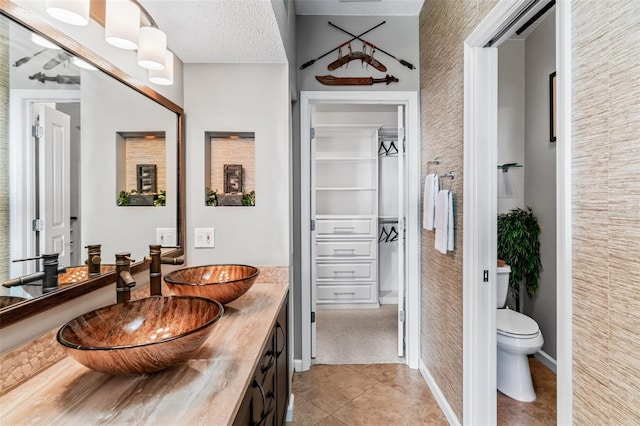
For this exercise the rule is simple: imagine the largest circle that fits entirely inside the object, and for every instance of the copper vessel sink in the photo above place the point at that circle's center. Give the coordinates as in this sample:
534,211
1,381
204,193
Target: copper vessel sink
224,283
6,301
141,336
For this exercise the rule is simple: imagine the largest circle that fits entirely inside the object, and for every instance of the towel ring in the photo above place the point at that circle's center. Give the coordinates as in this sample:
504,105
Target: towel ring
435,161
450,175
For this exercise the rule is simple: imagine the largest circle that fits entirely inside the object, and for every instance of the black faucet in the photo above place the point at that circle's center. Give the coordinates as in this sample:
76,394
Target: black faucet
155,269
93,260
124,279
49,276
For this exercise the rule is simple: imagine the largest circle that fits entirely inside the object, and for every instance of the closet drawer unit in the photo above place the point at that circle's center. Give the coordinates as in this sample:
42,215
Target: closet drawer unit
352,271
332,249
345,228
346,293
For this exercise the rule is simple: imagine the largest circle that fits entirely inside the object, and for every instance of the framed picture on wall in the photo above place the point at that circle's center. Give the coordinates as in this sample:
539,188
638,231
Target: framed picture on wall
552,107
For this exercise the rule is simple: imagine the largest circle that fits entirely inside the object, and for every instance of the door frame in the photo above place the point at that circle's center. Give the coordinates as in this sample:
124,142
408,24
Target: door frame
21,111
480,214
412,317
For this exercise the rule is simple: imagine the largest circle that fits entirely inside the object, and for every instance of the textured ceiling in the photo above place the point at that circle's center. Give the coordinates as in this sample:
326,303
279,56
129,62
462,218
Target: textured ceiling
246,31
219,31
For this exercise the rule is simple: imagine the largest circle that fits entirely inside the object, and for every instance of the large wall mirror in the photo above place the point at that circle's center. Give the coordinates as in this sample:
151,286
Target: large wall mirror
75,133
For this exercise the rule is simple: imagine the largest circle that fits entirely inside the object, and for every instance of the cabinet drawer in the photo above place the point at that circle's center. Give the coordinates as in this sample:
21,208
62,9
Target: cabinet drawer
346,249
345,228
362,271
344,293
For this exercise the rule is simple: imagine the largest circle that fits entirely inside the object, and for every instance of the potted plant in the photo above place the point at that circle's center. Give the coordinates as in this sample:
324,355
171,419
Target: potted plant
519,247
211,197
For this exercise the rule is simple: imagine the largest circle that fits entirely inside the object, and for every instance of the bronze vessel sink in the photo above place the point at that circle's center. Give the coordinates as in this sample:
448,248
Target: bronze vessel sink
6,301
224,283
141,336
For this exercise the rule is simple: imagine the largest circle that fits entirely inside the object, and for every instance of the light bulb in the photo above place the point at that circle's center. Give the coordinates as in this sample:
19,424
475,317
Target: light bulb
73,12
163,77
152,48
122,24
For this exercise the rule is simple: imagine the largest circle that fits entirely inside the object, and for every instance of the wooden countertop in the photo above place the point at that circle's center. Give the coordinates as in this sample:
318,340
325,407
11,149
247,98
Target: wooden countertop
207,389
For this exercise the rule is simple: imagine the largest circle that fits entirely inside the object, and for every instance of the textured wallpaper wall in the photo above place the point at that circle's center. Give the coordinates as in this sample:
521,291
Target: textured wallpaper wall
606,213
4,156
605,200
444,25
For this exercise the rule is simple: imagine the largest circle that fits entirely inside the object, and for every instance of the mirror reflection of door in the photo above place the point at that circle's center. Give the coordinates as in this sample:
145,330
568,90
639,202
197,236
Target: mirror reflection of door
53,193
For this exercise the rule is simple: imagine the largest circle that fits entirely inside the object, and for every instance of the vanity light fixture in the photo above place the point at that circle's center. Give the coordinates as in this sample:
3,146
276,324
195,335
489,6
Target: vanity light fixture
152,48
73,12
43,42
83,64
163,77
122,24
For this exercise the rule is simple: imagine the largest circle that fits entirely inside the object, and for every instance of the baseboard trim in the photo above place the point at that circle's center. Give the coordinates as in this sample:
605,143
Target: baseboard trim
297,365
289,416
547,360
439,396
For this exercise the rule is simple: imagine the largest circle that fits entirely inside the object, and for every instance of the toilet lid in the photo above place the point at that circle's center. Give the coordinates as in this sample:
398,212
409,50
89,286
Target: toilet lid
513,322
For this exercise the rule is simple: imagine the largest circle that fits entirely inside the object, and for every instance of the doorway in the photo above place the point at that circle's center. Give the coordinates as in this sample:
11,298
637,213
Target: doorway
44,208
323,206
481,107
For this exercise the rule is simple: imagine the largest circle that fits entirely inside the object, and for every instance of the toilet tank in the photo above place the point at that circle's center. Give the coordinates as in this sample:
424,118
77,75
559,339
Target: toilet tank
502,285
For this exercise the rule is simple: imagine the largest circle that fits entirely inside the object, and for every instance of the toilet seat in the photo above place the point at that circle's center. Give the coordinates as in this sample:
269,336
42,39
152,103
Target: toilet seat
514,324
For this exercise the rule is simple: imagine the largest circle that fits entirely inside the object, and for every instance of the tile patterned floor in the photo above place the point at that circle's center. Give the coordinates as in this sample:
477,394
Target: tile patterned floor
540,412
372,394
393,394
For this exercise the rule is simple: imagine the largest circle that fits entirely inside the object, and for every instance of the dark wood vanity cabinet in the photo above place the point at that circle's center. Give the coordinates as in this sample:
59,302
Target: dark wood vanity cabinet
265,401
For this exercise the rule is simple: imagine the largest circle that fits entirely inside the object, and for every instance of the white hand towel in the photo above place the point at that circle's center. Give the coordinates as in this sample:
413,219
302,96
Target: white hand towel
450,222
431,187
441,221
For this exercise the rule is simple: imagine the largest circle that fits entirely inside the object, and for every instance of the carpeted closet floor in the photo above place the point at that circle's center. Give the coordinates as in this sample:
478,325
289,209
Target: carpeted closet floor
357,336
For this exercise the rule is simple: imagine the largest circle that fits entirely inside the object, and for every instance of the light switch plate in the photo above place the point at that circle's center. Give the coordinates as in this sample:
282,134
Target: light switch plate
166,237
204,237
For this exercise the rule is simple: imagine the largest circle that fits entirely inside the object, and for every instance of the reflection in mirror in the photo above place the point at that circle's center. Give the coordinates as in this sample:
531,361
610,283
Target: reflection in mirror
66,130
230,169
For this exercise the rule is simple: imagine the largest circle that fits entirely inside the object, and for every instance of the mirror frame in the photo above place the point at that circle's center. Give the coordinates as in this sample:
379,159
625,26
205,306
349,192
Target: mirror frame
37,24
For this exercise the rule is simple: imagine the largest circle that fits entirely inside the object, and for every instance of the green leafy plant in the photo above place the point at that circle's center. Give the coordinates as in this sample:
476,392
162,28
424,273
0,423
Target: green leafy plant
519,247
161,199
249,199
123,197
212,197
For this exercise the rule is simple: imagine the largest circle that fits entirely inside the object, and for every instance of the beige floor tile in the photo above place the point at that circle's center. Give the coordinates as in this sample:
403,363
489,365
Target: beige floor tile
330,387
331,421
542,411
305,413
380,405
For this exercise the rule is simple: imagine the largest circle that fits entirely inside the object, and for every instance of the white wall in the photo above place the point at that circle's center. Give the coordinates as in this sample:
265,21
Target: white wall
107,108
511,102
248,98
540,174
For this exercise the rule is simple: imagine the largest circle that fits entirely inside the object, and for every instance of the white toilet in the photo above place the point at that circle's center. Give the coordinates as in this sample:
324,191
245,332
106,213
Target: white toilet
518,336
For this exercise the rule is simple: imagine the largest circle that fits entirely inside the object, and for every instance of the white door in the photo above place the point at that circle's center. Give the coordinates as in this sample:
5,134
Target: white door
54,197
314,248
401,229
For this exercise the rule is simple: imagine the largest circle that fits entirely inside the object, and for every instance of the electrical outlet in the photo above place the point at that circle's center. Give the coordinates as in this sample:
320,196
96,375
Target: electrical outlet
204,237
166,237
